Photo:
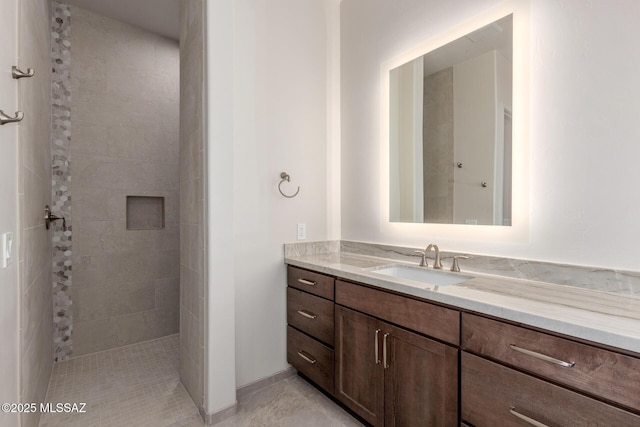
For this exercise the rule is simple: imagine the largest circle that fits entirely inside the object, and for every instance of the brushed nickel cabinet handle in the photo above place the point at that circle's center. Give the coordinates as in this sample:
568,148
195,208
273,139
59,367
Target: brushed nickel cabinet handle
384,351
512,411
542,356
306,356
307,314
307,282
375,347
4,118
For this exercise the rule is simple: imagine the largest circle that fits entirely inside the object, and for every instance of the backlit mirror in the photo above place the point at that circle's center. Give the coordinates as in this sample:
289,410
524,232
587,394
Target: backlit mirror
450,137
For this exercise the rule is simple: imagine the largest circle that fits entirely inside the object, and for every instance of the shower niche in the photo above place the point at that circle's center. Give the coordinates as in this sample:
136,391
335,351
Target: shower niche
145,213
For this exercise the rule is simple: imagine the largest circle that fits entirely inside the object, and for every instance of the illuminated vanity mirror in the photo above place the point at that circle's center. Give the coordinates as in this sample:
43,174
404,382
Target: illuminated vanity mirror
450,138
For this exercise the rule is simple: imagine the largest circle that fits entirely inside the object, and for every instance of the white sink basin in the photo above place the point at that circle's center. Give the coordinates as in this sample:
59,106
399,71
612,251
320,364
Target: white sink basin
421,274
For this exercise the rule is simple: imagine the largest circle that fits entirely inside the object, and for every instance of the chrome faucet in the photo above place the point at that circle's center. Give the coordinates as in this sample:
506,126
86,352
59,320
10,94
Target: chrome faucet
437,264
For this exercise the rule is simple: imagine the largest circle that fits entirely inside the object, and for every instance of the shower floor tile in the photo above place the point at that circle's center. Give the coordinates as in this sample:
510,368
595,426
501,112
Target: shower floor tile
136,385
139,385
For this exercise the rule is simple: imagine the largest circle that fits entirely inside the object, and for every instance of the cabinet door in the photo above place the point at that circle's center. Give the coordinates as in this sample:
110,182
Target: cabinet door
359,380
421,380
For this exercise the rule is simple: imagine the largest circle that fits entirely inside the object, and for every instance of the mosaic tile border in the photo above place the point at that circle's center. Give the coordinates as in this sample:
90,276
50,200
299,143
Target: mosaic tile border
61,177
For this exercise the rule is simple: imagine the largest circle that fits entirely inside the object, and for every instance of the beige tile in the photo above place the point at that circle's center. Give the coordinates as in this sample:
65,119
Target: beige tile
88,137
89,271
92,238
91,205
167,293
134,385
96,303
38,191
36,246
136,327
36,309
91,336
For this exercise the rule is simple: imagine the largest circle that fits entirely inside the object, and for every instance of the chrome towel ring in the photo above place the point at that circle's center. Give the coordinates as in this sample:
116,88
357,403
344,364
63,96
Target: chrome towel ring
285,177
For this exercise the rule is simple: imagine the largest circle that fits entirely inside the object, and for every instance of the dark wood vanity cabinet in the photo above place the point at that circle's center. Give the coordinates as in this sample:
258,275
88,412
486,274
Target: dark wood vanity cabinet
401,361
391,376
516,375
310,331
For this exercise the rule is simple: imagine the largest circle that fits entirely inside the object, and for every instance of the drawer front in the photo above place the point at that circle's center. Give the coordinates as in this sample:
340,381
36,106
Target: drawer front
494,395
603,373
311,358
310,314
309,281
429,319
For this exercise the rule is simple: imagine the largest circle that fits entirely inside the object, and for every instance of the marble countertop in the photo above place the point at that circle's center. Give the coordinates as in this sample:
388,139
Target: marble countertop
603,317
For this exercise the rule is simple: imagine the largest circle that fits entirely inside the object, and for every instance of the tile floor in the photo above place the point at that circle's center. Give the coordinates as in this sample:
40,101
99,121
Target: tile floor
138,385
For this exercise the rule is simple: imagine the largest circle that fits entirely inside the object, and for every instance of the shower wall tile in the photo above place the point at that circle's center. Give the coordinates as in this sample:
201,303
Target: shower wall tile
61,178
33,241
167,292
92,336
94,303
125,104
192,206
92,271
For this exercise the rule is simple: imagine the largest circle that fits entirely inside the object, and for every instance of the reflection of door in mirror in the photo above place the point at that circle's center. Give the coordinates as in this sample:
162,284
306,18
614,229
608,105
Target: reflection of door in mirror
450,134
406,142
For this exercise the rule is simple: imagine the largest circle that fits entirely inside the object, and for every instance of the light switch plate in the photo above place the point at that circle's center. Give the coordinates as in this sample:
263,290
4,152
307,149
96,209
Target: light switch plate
302,231
7,249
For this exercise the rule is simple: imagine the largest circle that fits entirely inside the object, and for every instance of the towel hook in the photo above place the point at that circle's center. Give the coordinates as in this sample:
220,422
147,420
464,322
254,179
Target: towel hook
17,73
4,118
285,177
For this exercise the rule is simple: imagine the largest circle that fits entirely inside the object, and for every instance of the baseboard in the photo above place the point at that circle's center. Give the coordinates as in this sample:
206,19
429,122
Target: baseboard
213,418
220,415
258,385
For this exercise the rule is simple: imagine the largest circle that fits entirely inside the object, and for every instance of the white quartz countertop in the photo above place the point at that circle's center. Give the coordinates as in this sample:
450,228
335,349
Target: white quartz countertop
602,317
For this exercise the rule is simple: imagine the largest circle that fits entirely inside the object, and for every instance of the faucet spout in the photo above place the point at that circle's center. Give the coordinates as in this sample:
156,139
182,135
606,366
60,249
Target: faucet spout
437,263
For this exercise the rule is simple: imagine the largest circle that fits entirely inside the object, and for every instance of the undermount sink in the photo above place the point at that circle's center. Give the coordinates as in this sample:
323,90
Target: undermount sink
420,274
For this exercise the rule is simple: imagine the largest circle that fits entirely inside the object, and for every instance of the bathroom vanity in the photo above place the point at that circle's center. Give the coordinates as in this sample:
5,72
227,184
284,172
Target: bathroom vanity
398,352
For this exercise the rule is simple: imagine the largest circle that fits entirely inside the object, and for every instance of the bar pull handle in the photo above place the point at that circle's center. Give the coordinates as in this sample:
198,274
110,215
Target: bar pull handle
542,356
512,411
17,73
307,282
307,314
306,356
384,351
4,118
376,347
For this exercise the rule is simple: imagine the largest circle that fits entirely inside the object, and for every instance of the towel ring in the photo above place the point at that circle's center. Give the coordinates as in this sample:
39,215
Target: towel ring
285,177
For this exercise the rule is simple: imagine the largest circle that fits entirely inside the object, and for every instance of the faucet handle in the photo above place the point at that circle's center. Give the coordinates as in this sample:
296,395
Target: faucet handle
423,260
455,267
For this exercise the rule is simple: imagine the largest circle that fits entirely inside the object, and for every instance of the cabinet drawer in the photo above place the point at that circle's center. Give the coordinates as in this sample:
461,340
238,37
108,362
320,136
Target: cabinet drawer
311,358
311,314
494,395
428,319
309,281
603,373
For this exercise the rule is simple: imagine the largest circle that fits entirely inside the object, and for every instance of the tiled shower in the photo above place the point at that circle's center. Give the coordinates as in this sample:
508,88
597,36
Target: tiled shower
115,142
120,148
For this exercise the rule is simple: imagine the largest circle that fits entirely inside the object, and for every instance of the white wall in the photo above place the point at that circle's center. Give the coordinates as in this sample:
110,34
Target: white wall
584,192
281,97
280,125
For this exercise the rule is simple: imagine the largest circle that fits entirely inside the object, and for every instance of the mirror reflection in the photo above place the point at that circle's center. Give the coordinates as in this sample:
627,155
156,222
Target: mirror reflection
450,131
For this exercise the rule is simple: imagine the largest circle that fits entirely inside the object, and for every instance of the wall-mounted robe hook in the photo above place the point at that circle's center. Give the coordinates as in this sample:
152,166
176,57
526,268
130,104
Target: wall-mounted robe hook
484,184
17,73
285,177
4,119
